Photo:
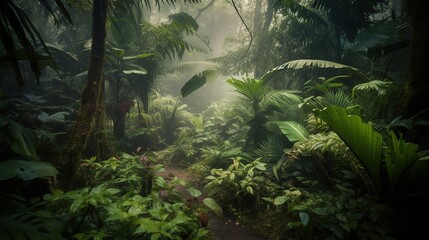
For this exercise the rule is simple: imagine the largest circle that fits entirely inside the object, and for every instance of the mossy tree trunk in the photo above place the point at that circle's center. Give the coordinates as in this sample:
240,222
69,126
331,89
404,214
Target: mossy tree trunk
92,97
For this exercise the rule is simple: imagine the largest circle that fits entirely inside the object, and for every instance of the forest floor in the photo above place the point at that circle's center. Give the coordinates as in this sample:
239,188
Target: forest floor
220,228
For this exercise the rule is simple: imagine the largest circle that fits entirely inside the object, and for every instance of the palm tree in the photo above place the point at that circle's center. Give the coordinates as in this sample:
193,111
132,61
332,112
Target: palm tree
91,112
16,27
152,44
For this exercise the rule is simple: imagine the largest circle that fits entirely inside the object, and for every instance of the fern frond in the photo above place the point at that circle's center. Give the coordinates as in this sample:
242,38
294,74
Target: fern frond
271,149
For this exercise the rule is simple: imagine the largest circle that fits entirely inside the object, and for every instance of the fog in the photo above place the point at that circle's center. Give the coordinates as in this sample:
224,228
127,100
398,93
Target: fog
218,24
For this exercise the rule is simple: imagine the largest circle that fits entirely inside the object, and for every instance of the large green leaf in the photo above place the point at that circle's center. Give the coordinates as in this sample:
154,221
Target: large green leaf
309,63
135,71
139,56
194,192
26,170
212,204
185,20
306,63
118,52
402,156
294,131
21,139
197,81
56,117
360,137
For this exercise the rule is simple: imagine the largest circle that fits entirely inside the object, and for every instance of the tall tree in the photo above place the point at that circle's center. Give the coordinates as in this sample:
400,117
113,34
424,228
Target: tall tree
415,102
260,37
91,112
92,103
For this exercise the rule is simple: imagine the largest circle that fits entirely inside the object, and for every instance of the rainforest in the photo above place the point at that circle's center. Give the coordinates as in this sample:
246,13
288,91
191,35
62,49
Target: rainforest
214,120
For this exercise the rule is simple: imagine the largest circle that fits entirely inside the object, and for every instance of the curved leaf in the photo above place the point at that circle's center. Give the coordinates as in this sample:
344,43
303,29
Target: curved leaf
305,63
21,139
26,170
402,156
309,63
253,89
197,81
118,52
194,192
360,137
139,56
294,131
135,71
212,204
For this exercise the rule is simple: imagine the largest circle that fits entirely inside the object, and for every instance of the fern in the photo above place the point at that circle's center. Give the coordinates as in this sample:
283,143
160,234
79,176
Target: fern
374,98
271,149
339,98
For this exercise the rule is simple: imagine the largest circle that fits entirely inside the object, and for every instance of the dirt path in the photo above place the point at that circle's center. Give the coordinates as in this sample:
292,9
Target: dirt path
220,228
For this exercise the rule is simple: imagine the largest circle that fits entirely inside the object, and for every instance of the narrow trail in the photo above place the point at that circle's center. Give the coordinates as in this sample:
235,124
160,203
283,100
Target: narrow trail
220,228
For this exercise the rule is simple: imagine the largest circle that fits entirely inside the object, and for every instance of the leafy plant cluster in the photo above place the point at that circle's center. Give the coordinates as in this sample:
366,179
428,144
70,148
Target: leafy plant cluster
113,204
339,171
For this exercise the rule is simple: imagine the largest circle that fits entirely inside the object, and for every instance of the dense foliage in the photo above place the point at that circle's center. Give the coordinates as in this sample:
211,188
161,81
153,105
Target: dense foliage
314,143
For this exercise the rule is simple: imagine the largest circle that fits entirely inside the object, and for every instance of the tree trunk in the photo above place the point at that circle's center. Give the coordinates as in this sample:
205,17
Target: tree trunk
91,99
260,36
416,84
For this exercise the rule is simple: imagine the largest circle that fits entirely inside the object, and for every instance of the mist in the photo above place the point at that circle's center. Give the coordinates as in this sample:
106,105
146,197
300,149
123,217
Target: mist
213,120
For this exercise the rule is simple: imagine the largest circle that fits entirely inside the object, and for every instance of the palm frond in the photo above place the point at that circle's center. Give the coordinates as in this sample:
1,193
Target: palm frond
301,11
169,42
16,25
374,98
158,3
252,89
311,63
283,97
379,86
338,98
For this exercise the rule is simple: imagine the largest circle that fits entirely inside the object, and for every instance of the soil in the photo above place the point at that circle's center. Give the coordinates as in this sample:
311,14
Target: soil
220,228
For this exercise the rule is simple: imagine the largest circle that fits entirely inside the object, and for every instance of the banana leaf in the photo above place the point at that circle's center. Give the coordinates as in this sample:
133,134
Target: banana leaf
360,137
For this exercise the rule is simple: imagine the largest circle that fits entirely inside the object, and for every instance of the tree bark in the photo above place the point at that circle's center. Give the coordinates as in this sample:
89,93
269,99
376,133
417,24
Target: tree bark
260,36
416,85
91,99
